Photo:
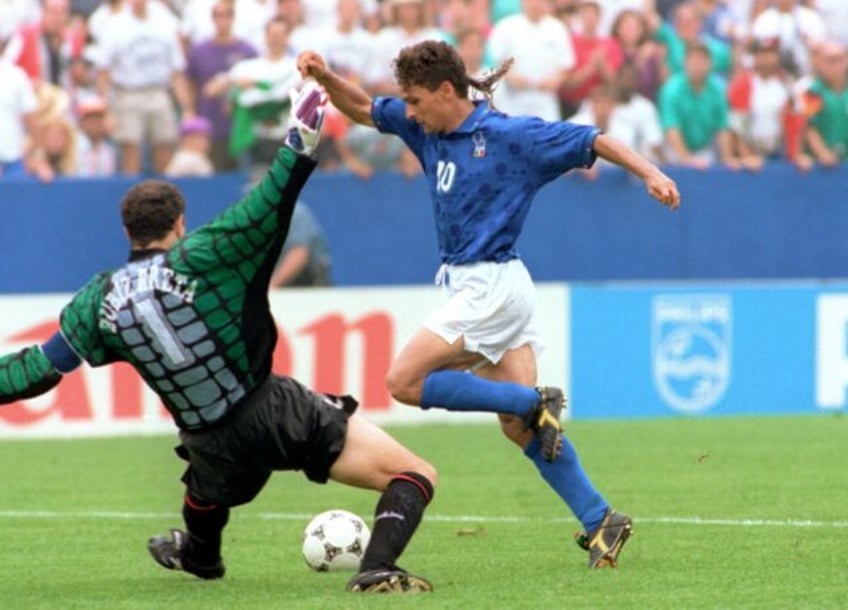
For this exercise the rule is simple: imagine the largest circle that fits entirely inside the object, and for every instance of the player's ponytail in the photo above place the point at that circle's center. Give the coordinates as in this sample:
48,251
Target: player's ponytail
487,83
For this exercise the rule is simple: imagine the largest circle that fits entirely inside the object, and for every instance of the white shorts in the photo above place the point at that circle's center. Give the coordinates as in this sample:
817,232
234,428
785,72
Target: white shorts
492,306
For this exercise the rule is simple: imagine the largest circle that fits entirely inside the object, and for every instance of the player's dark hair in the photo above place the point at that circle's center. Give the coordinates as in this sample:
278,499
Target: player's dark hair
430,63
150,210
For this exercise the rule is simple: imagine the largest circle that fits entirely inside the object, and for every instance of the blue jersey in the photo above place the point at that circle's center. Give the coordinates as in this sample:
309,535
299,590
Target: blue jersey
483,176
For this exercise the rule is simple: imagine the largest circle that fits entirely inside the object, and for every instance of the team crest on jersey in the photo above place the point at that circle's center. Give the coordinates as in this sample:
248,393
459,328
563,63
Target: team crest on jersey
479,144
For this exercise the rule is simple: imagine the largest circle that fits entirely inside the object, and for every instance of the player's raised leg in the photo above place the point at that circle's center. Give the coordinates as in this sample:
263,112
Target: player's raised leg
426,374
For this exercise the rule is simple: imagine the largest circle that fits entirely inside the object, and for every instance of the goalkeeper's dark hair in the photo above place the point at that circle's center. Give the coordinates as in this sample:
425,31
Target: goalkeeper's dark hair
430,63
150,210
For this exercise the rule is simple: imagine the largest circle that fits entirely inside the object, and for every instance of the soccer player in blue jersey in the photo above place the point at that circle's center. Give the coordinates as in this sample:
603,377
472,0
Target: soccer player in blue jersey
483,169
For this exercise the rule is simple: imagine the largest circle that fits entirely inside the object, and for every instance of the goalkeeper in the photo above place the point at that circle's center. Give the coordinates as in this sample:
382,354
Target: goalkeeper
190,313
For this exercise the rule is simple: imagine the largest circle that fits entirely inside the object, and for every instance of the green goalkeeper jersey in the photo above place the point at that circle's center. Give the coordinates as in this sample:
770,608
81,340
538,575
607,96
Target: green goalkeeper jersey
194,320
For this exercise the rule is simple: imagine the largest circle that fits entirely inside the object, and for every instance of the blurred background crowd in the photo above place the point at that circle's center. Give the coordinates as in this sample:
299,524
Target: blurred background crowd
94,88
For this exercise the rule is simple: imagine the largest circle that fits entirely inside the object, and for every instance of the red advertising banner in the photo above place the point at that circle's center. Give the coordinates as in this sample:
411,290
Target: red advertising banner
338,340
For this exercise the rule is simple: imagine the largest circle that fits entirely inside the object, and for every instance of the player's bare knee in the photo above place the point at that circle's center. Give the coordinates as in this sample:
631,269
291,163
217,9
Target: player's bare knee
427,470
403,388
418,466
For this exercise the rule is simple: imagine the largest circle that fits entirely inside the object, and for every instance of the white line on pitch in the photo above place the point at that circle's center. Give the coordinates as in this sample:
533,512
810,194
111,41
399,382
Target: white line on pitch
708,521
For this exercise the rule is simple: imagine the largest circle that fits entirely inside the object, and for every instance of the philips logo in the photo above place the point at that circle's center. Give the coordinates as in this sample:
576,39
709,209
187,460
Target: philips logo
691,345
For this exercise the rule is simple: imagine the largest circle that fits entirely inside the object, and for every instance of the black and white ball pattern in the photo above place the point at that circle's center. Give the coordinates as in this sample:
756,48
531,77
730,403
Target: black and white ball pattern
335,541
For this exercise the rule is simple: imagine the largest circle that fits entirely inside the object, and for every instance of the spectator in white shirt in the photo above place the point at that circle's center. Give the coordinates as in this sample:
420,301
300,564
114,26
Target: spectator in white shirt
834,13
346,45
796,27
140,60
758,102
408,26
640,113
259,98
18,116
301,34
610,10
600,109
251,16
541,47
96,156
15,14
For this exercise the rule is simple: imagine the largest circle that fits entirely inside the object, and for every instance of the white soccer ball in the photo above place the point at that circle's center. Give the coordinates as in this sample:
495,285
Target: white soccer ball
335,541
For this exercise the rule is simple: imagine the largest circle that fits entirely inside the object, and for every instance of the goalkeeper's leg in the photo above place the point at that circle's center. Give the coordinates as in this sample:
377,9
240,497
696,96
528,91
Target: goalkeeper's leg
198,549
373,459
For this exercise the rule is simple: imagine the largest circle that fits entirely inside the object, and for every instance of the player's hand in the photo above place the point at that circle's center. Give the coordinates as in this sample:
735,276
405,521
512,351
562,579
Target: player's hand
663,189
311,65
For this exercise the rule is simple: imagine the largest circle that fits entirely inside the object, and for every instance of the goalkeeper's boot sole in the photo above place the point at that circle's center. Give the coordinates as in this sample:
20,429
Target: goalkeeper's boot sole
388,581
544,419
605,543
169,552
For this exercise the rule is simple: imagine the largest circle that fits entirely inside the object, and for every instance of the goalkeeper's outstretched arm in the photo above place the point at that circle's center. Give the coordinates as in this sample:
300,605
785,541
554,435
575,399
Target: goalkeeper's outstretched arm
36,369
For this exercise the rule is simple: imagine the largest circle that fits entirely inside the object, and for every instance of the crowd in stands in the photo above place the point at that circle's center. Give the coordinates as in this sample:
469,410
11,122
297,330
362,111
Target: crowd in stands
190,87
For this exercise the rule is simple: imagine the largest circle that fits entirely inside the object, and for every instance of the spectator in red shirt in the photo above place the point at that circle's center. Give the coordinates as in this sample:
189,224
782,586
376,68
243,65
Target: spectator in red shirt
760,106
597,59
45,49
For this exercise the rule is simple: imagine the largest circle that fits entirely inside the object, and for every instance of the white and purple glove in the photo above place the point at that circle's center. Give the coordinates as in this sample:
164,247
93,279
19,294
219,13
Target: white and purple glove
306,117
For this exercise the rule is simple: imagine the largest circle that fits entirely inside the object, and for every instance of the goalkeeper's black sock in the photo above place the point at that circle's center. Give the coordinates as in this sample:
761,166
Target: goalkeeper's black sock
204,524
396,518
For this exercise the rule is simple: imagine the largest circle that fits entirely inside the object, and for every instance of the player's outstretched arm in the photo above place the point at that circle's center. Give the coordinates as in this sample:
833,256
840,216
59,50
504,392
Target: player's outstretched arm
36,369
351,100
660,187
248,235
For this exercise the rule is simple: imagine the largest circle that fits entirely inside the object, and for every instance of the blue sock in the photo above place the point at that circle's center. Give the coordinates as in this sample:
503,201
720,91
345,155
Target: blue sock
461,391
567,477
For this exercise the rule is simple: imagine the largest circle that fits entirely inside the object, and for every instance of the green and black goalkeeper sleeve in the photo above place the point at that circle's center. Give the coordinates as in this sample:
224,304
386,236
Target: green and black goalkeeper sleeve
26,374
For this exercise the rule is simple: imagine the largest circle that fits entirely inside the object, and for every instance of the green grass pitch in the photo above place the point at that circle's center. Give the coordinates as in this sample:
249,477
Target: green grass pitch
729,513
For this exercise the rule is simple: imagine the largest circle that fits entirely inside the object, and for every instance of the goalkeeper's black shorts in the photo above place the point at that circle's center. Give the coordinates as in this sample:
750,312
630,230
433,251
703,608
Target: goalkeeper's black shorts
283,426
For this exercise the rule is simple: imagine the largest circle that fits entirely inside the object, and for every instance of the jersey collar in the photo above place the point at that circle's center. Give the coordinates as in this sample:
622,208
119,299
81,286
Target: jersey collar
472,121
137,255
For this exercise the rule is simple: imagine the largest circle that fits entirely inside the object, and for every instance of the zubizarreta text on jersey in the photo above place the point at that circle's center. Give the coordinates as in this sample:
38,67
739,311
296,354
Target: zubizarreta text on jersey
140,280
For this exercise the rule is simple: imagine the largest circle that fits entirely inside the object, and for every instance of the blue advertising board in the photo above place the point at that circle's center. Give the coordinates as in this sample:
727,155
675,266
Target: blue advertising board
708,349
775,224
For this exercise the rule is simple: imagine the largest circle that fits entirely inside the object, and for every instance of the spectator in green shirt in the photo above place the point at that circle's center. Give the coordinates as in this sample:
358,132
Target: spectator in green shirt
827,100
694,114
687,29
